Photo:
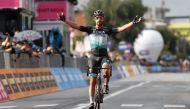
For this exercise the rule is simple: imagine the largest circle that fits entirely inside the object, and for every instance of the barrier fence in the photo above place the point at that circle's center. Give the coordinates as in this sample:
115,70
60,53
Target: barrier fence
19,83
29,76
8,60
2,63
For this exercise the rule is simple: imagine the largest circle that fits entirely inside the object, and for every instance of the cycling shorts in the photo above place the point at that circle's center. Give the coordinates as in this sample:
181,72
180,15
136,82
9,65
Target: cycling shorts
97,61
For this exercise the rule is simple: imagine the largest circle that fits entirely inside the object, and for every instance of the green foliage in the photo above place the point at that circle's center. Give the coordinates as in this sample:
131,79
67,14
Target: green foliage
169,40
118,13
174,43
128,9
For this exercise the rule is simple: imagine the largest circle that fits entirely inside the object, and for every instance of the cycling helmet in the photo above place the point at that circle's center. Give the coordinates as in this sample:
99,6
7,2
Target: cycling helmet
98,13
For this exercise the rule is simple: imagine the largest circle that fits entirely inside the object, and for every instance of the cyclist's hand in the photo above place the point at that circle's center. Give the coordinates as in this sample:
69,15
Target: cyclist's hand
61,17
137,19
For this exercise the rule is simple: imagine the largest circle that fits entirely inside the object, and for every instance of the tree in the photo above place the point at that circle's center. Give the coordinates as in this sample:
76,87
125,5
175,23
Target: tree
169,40
118,12
174,43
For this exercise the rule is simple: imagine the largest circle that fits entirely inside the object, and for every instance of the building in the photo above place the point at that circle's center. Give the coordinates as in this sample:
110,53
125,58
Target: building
46,18
48,9
16,15
180,25
155,17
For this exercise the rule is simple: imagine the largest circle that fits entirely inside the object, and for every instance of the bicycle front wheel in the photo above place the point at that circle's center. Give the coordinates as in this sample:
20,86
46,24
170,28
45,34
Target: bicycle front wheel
98,96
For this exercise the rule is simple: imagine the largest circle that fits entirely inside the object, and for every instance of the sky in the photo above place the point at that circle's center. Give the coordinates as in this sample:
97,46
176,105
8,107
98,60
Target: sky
177,7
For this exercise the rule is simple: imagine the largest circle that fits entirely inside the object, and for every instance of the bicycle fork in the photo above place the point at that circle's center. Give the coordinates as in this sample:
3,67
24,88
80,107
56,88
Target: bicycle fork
99,93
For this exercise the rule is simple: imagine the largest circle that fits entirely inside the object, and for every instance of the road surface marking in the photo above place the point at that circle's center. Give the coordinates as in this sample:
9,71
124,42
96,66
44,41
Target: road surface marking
131,105
116,93
81,106
46,105
174,106
126,89
7,107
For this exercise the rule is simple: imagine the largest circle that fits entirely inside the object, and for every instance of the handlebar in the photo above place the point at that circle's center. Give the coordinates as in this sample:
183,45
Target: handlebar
96,68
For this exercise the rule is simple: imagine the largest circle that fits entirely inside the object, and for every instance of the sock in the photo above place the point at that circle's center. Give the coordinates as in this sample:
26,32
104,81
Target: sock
91,99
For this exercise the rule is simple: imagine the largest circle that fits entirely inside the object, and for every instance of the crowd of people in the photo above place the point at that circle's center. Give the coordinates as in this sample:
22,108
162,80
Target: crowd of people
11,45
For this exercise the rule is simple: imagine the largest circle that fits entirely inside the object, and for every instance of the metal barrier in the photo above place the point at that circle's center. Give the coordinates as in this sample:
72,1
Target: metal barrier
54,60
8,60
2,62
75,62
25,61
25,76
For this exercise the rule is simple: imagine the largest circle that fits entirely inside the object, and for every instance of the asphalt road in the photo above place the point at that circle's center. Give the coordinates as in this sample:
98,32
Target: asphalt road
147,91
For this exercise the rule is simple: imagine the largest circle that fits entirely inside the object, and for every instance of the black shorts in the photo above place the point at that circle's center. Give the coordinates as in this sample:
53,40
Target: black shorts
97,61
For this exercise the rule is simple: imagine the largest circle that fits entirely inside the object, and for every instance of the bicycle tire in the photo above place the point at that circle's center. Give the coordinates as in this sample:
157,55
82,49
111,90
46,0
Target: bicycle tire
98,93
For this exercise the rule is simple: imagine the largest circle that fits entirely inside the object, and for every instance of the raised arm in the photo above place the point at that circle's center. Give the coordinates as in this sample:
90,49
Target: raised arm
70,23
125,27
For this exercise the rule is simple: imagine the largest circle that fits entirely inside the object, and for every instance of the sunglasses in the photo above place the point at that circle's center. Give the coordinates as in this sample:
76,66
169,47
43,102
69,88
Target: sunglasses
99,17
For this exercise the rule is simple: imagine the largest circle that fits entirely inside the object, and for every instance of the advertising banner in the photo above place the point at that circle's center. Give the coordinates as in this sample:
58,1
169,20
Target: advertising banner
48,10
24,82
5,84
9,3
12,83
19,83
3,93
39,80
71,76
56,73
52,79
35,80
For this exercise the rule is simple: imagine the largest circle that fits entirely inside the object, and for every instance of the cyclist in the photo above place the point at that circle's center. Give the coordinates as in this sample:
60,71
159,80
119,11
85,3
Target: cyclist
98,37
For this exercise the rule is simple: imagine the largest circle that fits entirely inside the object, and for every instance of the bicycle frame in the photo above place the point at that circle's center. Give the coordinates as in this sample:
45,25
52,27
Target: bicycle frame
99,95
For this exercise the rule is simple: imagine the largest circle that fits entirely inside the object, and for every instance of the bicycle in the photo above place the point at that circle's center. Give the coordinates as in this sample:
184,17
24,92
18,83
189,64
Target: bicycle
99,94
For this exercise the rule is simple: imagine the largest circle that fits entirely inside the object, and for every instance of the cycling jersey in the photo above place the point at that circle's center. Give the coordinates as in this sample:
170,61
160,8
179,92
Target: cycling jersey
98,38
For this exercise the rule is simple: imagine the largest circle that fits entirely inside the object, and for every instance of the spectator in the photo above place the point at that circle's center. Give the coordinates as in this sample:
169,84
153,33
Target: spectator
36,50
7,44
1,44
27,47
186,65
22,47
17,45
54,42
